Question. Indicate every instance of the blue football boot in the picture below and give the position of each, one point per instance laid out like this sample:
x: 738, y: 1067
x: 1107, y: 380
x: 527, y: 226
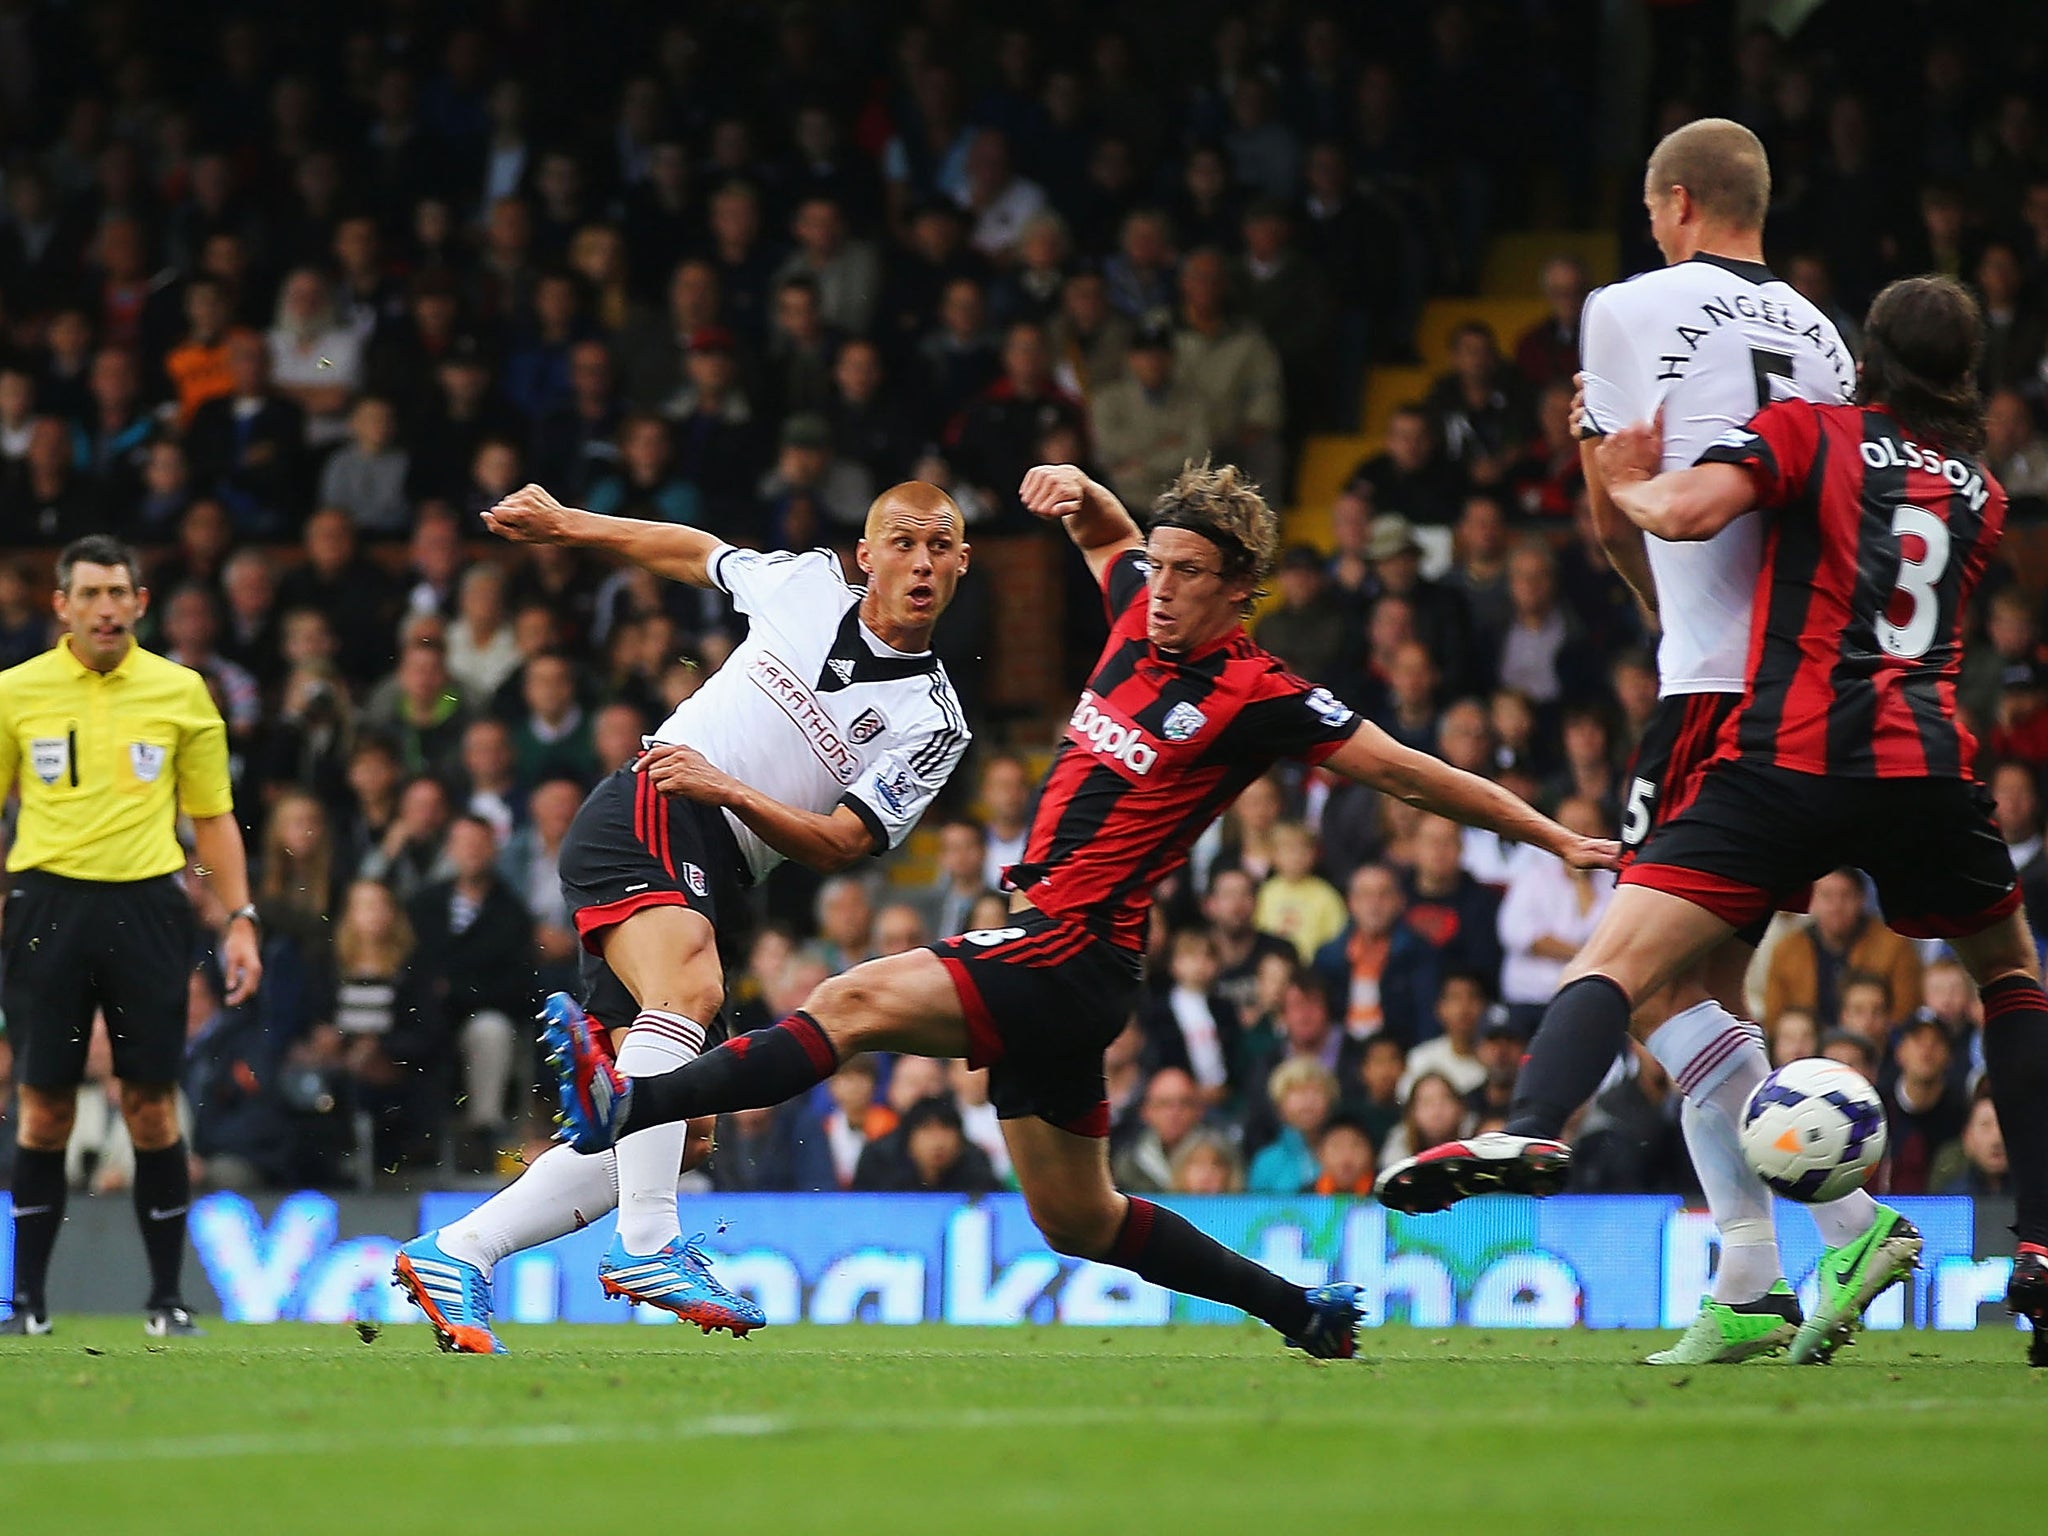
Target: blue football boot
x: 455, y: 1295
x: 678, y: 1279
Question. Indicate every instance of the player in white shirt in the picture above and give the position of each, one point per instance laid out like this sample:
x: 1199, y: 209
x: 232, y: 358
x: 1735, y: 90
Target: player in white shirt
x: 1709, y: 340
x: 823, y: 738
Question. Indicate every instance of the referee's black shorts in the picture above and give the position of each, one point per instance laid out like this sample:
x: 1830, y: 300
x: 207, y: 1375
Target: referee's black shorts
x: 73, y: 947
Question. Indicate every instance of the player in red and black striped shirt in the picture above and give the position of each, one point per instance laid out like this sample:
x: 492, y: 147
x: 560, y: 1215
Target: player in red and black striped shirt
x: 1182, y: 712
x: 1846, y: 749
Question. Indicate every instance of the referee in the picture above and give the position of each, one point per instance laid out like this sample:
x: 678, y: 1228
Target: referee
x: 107, y: 743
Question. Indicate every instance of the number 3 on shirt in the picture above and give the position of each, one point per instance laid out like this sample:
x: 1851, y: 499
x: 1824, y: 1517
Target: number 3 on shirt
x: 1910, y: 639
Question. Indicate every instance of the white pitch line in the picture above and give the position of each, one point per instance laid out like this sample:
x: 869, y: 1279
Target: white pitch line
x: 761, y: 1426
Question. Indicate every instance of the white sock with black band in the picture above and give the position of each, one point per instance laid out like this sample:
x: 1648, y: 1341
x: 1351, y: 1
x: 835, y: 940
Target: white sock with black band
x: 651, y: 1161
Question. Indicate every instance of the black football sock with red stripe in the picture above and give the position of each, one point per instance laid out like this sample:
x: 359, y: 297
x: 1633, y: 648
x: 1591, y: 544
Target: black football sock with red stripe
x: 751, y: 1071
x: 2016, y: 1066
x: 1583, y: 1030
x: 1167, y: 1249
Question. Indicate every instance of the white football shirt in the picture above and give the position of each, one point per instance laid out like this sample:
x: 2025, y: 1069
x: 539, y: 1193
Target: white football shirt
x: 814, y: 710
x: 1713, y: 341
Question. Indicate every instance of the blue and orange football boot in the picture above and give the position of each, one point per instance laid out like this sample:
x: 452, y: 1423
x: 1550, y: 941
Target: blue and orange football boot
x: 678, y: 1279
x: 455, y: 1295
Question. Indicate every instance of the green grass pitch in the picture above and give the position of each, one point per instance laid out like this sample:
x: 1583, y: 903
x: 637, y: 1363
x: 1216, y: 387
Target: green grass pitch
x: 301, y: 1429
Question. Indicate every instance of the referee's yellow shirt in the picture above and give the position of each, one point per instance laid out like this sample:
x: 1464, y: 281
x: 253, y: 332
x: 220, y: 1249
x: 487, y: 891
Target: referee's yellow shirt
x: 105, y: 761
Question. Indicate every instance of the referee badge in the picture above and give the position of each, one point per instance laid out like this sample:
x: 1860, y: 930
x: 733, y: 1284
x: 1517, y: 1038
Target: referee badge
x: 147, y: 759
x: 48, y: 756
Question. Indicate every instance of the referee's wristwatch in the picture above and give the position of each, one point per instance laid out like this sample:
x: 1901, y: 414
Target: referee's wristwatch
x: 248, y: 911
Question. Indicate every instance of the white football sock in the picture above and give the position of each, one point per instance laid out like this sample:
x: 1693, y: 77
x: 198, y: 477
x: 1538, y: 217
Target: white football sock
x: 560, y: 1191
x: 1717, y: 1060
x: 651, y: 1161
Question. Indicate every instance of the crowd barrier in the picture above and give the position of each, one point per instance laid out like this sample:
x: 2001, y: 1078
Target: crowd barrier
x: 1599, y: 1261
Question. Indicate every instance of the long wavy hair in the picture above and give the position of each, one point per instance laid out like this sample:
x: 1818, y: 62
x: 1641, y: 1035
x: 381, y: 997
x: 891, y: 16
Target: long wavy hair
x: 1923, y: 340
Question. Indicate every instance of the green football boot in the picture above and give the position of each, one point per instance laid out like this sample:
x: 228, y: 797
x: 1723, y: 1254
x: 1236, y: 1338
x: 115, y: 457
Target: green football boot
x: 1728, y: 1333
x: 1851, y: 1277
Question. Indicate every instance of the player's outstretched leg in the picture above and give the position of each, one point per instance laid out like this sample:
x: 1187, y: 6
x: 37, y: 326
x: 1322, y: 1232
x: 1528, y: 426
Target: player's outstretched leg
x: 1064, y: 1177
x: 1583, y: 1030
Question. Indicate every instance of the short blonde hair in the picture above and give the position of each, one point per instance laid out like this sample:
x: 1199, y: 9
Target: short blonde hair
x: 1222, y: 504
x: 1722, y: 164
x: 1300, y: 1072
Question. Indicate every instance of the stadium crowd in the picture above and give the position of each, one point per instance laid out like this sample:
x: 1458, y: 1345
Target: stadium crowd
x: 290, y: 305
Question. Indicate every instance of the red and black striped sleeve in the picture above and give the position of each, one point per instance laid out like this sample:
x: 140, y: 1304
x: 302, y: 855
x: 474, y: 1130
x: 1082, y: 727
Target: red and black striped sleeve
x: 1123, y: 582
x: 1289, y: 717
x: 1778, y: 448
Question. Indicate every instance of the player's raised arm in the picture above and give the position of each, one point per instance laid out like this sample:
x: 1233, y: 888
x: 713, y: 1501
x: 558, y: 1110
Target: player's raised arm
x: 1683, y: 505
x: 1374, y: 758
x: 530, y: 515
x: 1095, y: 520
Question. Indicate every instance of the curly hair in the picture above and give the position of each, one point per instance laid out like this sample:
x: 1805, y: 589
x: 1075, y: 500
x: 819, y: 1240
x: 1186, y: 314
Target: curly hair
x: 1923, y: 340
x: 1222, y: 504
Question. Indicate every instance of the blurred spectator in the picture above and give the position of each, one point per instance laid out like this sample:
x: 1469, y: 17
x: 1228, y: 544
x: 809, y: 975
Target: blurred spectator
x: 898, y: 929
x: 477, y: 961
x: 1867, y: 1012
x: 45, y: 500
x: 1461, y: 1006
x: 927, y: 1153
x: 1549, y: 912
x: 1432, y: 1114
x: 552, y: 736
x: 250, y: 636
x: 1287, y: 296
x: 778, y: 1150
x: 1232, y: 367
x: 949, y: 899
x: 1139, y: 274
x: 247, y: 445
x: 1207, y: 1164
x: 426, y: 714
x: 1852, y: 1050
x: 1976, y: 1164
x: 1090, y: 339
x: 191, y: 638
x: 316, y: 359
x: 1631, y: 1138
x: 576, y: 443
x: 644, y: 484
x: 481, y: 651
x: 978, y: 1117
x: 1439, y: 612
x: 1148, y: 424
x: 1503, y: 1042
x: 995, y: 439
x: 1344, y: 1160
x: 2018, y: 799
x: 1309, y: 628
x: 1925, y: 1110
x: 1548, y: 352
x: 1949, y: 997
x: 1304, y: 1095
x: 845, y: 919
x: 1807, y: 966
x: 367, y: 477
x: 1005, y: 813
x: 531, y: 862
x: 2013, y: 450
x: 1189, y: 1025
x: 1373, y: 1099
x: 871, y: 425
x: 347, y: 589
x: 1408, y: 475
x: 811, y: 495
x: 1294, y: 902
x: 1480, y: 409
x: 1229, y: 908
x: 489, y: 790
x: 410, y: 854
x: 1545, y: 475
x: 1454, y: 914
x: 1380, y: 969
x: 1171, y: 1113
x: 1000, y: 202
x: 1792, y: 1036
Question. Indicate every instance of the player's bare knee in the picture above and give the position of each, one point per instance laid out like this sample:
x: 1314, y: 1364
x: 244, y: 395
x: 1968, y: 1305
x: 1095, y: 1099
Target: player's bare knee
x: 1078, y: 1229
x: 46, y: 1120
x: 851, y: 1008
x: 150, y: 1111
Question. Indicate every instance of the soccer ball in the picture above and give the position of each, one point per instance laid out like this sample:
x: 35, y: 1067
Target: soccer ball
x: 1813, y: 1130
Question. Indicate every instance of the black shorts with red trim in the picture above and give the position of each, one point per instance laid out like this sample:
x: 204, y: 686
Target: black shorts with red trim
x: 1755, y: 834
x: 630, y: 848
x: 1043, y: 997
x: 1669, y: 763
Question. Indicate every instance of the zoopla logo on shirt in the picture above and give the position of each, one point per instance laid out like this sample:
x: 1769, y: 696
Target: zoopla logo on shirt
x: 1106, y: 735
